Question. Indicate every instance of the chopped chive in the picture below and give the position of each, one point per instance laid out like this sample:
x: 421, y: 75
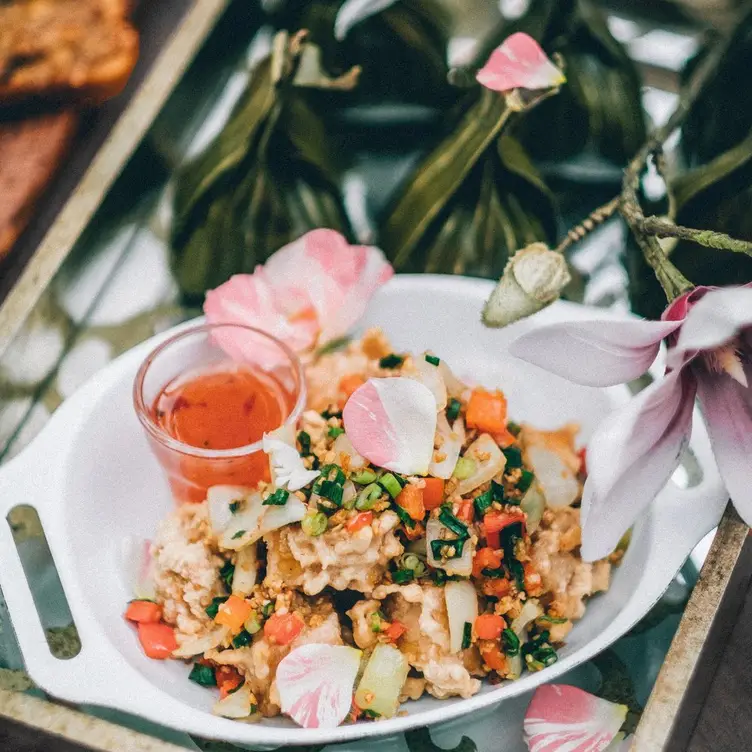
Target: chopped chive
x: 203, y: 675
x: 509, y: 537
x: 234, y: 506
x: 414, y: 563
x: 368, y: 496
x: 226, y: 573
x: 277, y: 499
x: 453, y: 409
x: 433, y: 360
x: 333, y: 473
x: 335, y: 431
x: 401, y: 576
x: 368, y: 713
x: 514, y: 456
x: 213, y: 607
x: 483, y: 502
x: 331, y: 490
x: 405, y: 518
x: 511, y: 642
x: 391, y: 484
x: 364, y: 477
x: 267, y: 610
x: 525, y: 481
x: 391, y: 361
x: 375, y: 621
x: 514, y: 428
x: 439, y: 548
x: 314, y: 524
x: 464, y: 468
x: 239, y: 534
x: 252, y: 623
x: 447, y: 519
x: 467, y: 635
x: 242, y: 640
x: 439, y: 577
x: 547, y: 656
x: 517, y: 571
x: 551, y: 619
x: 304, y: 439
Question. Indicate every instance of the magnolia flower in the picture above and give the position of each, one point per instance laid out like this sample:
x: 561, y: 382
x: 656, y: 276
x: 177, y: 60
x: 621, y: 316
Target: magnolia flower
x: 633, y: 453
x: 308, y: 293
x: 533, y: 278
x: 561, y: 717
x: 519, y: 63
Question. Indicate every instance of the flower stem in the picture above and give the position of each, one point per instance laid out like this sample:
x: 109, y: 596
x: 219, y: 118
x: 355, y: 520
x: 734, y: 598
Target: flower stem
x: 595, y: 218
x: 662, y: 228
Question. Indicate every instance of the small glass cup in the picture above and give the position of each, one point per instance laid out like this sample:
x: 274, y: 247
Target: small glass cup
x: 191, y: 470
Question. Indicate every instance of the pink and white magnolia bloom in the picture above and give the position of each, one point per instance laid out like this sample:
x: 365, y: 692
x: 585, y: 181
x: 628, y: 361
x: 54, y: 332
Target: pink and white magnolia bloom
x: 634, y: 452
x: 308, y: 293
x: 519, y: 63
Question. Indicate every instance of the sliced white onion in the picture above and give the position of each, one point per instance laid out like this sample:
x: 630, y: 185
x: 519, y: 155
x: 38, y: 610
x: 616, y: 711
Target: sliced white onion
x: 246, y: 570
x: 455, y: 388
x: 449, y: 441
x: 530, y: 612
x: 462, y: 606
x: 286, y: 465
x: 219, y: 499
x: 558, y: 483
x: 430, y: 376
x: 138, y: 563
x: 489, y: 462
x: 349, y: 492
x: 462, y: 565
x: 533, y: 504
x: 343, y: 447
x: 236, y: 705
x: 245, y: 525
x: 382, y: 681
x: 293, y: 510
x: 199, y: 644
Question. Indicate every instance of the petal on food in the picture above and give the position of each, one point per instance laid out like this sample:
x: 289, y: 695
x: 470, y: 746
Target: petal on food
x: 519, y: 63
x: 563, y: 717
x: 287, y: 467
x: 392, y: 423
x: 315, y: 684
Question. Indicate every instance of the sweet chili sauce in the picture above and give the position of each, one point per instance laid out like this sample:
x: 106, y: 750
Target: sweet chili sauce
x: 219, y: 409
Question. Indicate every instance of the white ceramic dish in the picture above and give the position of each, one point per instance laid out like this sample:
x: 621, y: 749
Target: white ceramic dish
x: 94, y: 482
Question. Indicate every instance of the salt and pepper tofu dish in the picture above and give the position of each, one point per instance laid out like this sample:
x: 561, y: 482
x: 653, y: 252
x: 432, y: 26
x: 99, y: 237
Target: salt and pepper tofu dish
x: 372, y: 566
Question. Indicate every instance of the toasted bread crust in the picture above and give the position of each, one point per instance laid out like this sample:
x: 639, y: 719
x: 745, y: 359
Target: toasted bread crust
x: 82, y: 50
x: 31, y: 151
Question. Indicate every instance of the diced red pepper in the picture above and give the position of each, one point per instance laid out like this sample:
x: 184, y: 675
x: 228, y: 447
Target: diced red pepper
x: 583, y: 460
x: 466, y: 511
x: 486, y: 558
x: 283, y: 628
x: 495, y: 522
x: 228, y: 678
x: 498, y: 587
x: 395, y: 630
x: 157, y: 639
x: 489, y: 626
x: 411, y: 500
x: 533, y: 580
x: 487, y: 411
x: 143, y: 612
x: 433, y: 493
x: 361, y: 520
x: 493, y: 657
x: 233, y: 613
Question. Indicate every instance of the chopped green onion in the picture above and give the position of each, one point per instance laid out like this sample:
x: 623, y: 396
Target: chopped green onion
x: 483, y: 502
x: 433, y: 360
x: 525, y: 481
x: 439, y: 577
x: 453, y: 409
x: 467, y: 635
x: 304, y: 439
x: 314, y: 524
x: 333, y: 473
x: 493, y: 573
x: 203, y: 675
x: 368, y: 497
x: 464, y: 468
x: 509, y: 537
x: 517, y: 571
x: 331, y: 414
x: 332, y: 491
x: 439, y: 548
x: 552, y: 619
x: 511, y: 642
x: 405, y: 518
x: 391, y: 484
x: 364, y: 477
x: 514, y: 456
x: 267, y: 609
x: 234, y: 506
x: 213, y: 607
x: 226, y: 573
x: 391, y: 361
x: 414, y: 563
x: 497, y: 491
x: 253, y: 709
x: 447, y: 519
x: 514, y: 428
x: 252, y: 623
x: 242, y: 640
x: 333, y: 345
x: 376, y: 618
x: 277, y: 499
x: 401, y: 576
x: 546, y: 656
x: 368, y: 713
x: 239, y: 534
x: 335, y: 431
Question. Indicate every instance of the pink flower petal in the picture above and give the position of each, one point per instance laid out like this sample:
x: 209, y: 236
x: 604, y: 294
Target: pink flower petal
x: 561, y: 717
x: 519, y: 63
x: 631, y: 457
x: 727, y: 408
x: 315, y: 684
x: 601, y: 352
x: 712, y: 321
x: 392, y: 423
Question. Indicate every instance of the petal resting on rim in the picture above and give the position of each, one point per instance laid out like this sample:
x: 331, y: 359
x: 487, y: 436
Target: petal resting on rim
x: 519, y: 63
x: 727, y: 408
x: 631, y: 457
x: 601, y: 352
x: 561, y: 717
x: 392, y: 423
x: 315, y: 684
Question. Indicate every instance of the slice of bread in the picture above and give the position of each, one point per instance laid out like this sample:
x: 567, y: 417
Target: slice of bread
x: 80, y: 50
x: 31, y: 151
